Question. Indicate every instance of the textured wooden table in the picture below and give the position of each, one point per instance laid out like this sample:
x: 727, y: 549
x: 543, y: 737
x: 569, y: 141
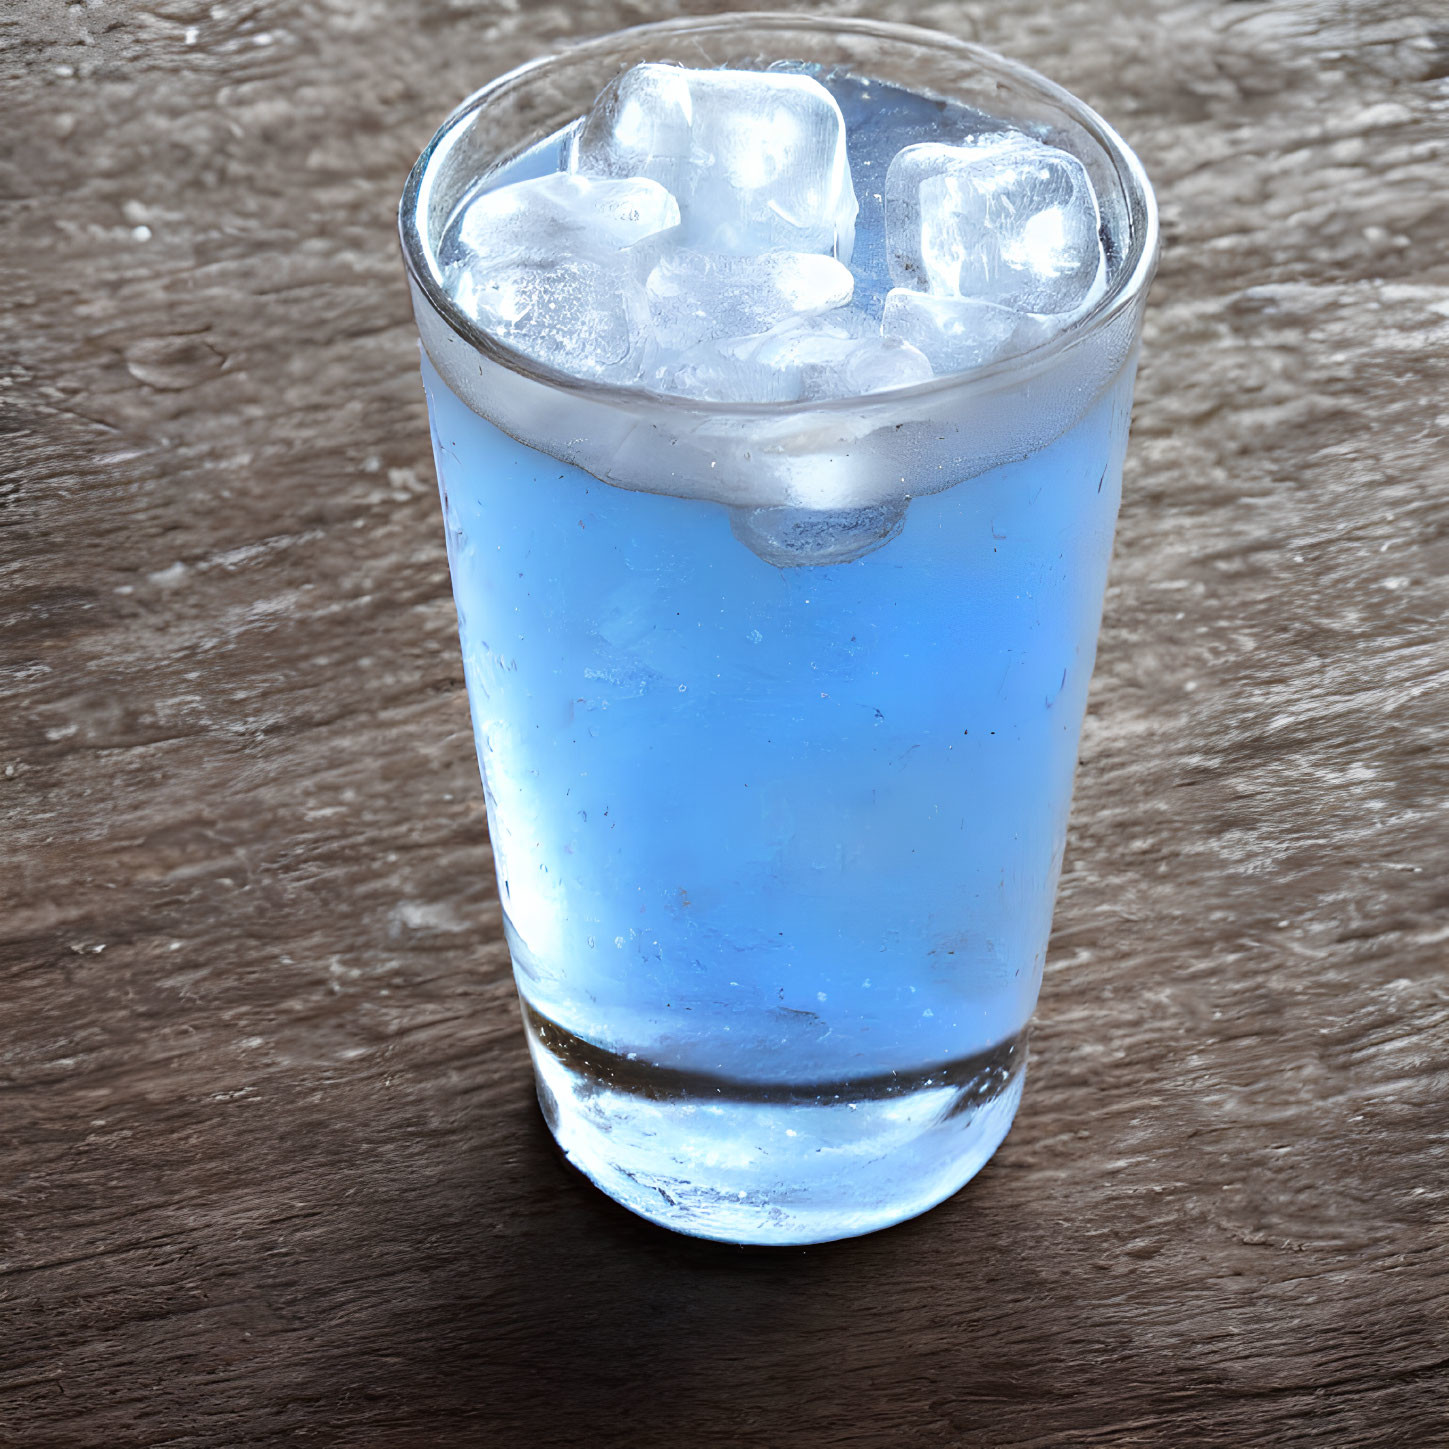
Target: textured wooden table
x: 270, y: 1168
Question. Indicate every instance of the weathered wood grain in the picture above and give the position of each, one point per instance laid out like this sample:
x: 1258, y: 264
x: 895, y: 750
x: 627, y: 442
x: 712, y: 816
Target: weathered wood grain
x: 270, y: 1171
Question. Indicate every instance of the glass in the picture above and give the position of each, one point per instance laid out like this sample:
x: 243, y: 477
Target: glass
x: 777, y: 783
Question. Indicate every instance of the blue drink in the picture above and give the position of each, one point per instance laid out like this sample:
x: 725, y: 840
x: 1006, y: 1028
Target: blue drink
x: 777, y: 841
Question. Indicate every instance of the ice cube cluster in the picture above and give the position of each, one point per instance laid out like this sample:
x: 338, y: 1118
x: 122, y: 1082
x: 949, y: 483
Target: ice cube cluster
x: 699, y: 244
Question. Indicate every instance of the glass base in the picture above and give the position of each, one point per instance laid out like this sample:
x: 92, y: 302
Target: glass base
x: 767, y: 1163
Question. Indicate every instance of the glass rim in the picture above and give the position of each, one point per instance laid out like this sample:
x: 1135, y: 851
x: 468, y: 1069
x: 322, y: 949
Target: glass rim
x: 1133, y: 280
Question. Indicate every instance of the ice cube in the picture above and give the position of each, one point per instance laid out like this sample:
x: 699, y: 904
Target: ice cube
x: 824, y: 360
x: 584, y: 315
x: 559, y: 213
x: 881, y: 121
x: 698, y: 296
x: 1005, y: 219
x: 722, y: 369
x: 957, y: 333
x: 550, y: 266
x: 756, y: 159
x: 801, y: 537
x: 798, y: 360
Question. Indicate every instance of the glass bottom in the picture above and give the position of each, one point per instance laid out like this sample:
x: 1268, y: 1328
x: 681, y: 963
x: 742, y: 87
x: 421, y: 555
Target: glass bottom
x: 772, y: 1163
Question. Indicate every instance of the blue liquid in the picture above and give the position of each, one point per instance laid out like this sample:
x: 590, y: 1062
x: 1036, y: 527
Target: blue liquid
x: 770, y: 832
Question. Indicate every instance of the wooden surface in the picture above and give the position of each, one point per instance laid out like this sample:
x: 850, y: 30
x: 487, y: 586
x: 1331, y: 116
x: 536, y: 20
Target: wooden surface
x: 270, y: 1168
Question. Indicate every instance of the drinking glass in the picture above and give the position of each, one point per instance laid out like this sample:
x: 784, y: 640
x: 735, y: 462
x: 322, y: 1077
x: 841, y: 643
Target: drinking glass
x: 777, y: 705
